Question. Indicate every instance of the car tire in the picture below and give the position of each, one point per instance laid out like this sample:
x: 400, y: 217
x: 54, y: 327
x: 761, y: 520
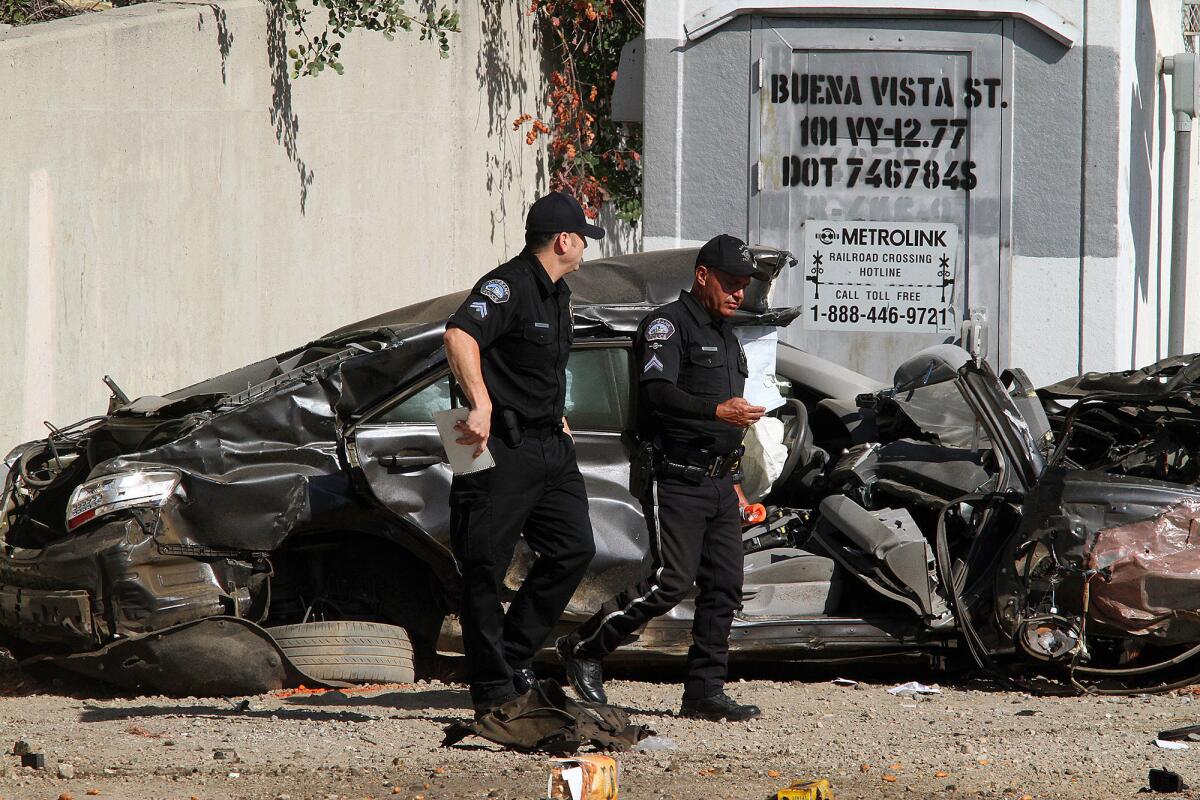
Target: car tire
x: 354, y: 652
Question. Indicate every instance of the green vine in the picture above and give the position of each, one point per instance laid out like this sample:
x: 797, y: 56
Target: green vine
x: 27, y: 12
x: 595, y: 159
x: 316, y: 52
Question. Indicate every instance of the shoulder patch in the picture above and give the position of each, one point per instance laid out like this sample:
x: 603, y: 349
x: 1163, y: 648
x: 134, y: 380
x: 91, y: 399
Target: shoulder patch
x: 496, y: 290
x: 660, y: 330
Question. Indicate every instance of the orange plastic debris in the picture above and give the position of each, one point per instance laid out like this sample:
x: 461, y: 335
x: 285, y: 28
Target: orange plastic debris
x: 864, y: 768
x: 983, y: 762
x: 941, y: 773
x: 896, y: 767
x: 1026, y: 797
x: 65, y: 796
x: 890, y: 778
x: 93, y: 792
x: 772, y: 773
x: 754, y: 513
x: 395, y: 790
x: 138, y: 730
x: 439, y: 770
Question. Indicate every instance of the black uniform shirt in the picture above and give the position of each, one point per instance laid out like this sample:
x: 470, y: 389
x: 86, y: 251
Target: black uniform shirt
x: 682, y: 344
x: 522, y: 322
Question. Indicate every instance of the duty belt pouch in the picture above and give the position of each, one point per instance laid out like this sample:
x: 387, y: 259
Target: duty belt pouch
x: 641, y: 470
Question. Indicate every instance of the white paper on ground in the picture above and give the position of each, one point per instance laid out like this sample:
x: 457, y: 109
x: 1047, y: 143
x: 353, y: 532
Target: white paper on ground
x: 1168, y: 745
x: 461, y: 456
x: 911, y: 688
x: 760, y: 343
x: 844, y: 682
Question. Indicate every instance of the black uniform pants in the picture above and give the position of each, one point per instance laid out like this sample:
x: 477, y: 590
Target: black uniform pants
x: 536, y: 489
x: 695, y: 539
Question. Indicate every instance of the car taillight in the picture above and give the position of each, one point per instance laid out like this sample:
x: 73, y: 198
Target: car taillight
x: 101, y: 496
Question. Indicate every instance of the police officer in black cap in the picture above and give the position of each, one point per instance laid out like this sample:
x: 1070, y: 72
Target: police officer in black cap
x: 691, y: 421
x: 508, y: 345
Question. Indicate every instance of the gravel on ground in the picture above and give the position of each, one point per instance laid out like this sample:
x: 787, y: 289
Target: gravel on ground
x: 972, y: 740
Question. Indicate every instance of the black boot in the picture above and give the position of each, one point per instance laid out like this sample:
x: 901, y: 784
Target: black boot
x: 524, y: 679
x: 584, y: 674
x: 718, y: 707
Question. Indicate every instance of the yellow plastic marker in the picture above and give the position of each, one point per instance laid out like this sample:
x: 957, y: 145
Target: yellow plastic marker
x: 806, y: 790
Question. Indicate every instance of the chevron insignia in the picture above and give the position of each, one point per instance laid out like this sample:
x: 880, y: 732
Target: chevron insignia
x: 480, y: 308
x: 653, y: 363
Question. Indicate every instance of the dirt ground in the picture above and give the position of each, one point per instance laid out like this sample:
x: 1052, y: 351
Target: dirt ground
x: 970, y: 741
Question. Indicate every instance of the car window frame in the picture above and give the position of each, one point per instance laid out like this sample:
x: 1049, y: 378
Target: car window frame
x: 626, y: 345
x: 371, y: 419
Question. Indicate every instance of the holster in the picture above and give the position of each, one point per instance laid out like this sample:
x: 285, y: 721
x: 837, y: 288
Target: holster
x: 509, y: 429
x: 641, y: 470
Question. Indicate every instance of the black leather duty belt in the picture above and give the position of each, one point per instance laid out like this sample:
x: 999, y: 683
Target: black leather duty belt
x: 697, y: 465
x: 542, y: 431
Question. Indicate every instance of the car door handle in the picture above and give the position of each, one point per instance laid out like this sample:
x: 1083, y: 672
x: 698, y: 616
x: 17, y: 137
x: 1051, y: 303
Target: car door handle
x: 408, y: 463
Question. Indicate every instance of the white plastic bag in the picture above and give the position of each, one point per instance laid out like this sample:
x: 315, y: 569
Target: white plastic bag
x: 764, y: 458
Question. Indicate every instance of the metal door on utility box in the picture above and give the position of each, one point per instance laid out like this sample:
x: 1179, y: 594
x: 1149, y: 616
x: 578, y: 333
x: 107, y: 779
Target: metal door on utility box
x: 878, y: 157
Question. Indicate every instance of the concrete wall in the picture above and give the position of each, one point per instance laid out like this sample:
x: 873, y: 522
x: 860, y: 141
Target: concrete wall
x: 1092, y: 204
x: 1092, y: 150
x: 172, y: 205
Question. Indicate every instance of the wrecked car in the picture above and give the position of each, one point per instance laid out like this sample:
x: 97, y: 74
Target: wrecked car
x: 287, y: 522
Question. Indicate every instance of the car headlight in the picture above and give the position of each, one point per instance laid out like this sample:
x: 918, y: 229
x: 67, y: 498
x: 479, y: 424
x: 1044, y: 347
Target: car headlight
x: 101, y: 496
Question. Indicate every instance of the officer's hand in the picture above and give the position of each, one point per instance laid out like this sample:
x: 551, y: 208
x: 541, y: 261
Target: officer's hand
x: 738, y: 411
x: 475, y: 429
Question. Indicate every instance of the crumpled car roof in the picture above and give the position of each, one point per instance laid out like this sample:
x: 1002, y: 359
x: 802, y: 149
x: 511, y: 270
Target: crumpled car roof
x: 628, y: 286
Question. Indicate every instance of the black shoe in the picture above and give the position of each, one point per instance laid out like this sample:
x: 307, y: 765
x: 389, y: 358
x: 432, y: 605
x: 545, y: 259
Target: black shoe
x: 584, y: 674
x: 718, y: 707
x: 524, y: 679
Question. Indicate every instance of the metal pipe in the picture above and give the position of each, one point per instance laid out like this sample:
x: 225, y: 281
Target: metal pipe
x: 1180, y: 195
x: 1185, y: 102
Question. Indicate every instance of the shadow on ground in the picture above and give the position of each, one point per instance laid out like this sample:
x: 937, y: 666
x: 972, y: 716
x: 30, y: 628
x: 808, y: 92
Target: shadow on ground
x: 439, y: 699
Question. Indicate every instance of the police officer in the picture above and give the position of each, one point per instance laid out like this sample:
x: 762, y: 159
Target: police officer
x: 691, y: 421
x: 507, y: 345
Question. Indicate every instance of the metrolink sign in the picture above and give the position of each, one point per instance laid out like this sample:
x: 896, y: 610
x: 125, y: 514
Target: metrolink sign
x: 897, y: 277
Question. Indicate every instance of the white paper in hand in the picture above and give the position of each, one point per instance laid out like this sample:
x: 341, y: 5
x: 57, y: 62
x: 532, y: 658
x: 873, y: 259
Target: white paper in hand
x: 461, y: 456
x: 760, y: 343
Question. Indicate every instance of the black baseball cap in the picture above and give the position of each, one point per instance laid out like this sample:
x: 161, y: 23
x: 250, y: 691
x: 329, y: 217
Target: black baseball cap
x: 560, y: 213
x: 729, y: 254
